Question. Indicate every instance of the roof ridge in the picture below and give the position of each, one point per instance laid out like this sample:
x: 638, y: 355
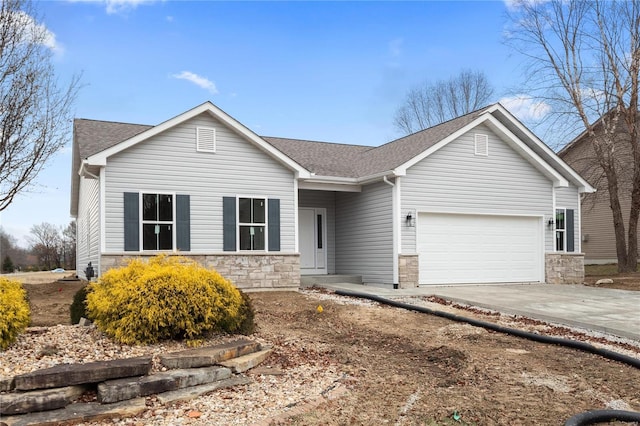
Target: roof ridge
x: 113, y: 122
x: 312, y: 141
x: 440, y: 124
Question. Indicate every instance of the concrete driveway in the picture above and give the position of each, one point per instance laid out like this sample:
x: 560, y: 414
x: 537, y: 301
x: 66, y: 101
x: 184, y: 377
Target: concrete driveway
x: 615, y: 312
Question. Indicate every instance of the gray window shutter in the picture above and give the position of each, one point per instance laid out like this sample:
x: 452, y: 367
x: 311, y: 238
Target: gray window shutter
x: 131, y: 221
x: 229, y: 223
x: 570, y: 231
x: 274, y: 225
x: 183, y: 223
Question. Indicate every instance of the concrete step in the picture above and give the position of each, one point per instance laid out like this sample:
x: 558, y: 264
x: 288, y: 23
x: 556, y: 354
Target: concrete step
x: 311, y: 280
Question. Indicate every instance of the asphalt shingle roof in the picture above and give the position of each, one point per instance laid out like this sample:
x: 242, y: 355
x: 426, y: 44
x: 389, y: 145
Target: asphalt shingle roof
x: 321, y: 158
x: 94, y: 136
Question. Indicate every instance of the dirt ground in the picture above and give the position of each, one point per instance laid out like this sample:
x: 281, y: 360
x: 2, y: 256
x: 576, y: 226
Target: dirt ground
x: 406, y: 368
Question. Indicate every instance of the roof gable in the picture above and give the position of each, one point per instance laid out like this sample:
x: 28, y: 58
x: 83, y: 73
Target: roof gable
x: 100, y: 158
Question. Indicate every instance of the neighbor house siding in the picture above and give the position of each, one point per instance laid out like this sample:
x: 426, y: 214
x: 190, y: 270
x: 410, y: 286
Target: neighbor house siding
x: 568, y: 198
x: 455, y: 180
x: 599, y: 242
x: 88, y: 226
x: 364, y: 233
x: 169, y: 162
x: 327, y: 200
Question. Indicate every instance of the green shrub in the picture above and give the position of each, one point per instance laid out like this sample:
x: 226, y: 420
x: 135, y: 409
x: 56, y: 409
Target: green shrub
x: 14, y: 311
x: 78, y: 308
x: 247, y: 314
x: 166, y: 298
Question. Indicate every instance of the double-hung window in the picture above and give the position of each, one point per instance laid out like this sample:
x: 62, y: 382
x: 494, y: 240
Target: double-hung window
x: 157, y: 221
x: 252, y: 223
x: 561, y: 230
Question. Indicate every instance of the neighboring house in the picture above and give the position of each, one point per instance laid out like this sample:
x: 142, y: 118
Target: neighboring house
x: 598, y: 238
x: 477, y: 199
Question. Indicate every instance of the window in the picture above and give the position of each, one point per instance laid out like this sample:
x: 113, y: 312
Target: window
x: 252, y: 223
x: 157, y: 222
x: 561, y: 230
x: 164, y: 218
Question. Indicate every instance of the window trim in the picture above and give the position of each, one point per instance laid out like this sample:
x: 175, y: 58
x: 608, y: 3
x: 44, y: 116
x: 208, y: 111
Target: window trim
x: 265, y: 225
x: 563, y: 230
x: 142, y: 222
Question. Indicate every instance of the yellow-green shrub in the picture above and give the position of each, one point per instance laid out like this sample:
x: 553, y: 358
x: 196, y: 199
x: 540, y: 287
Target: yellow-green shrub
x: 14, y: 311
x: 166, y: 298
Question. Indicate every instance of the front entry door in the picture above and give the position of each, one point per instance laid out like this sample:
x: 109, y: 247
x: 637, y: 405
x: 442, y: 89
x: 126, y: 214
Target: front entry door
x: 313, y: 240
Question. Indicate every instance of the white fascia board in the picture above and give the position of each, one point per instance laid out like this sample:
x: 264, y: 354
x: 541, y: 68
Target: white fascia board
x: 329, y: 186
x: 523, y: 148
x: 377, y: 176
x: 583, y: 185
x: 100, y: 159
x: 401, y: 170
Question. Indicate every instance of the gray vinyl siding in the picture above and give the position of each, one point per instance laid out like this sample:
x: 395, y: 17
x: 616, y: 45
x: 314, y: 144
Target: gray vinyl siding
x: 169, y: 162
x: 569, y: 198
x: 364, y: 233
x: 455, y: 180
x: 88, y: 226
x: 326, y: 200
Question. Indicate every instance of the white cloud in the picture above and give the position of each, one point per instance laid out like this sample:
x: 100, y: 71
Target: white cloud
x: 515, y: 4
x: 526, y: 108
x: 203, y: 82
x: 38, y: 33
x: 117, y: 6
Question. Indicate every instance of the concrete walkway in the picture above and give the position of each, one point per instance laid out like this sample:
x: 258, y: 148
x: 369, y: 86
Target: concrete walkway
x: 615, y: 312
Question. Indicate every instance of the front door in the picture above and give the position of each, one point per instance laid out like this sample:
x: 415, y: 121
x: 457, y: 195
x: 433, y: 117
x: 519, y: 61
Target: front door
x: 313, y: 240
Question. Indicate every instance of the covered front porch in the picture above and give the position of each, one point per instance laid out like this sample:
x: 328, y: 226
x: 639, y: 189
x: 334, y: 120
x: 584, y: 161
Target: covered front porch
x: 347, y: 234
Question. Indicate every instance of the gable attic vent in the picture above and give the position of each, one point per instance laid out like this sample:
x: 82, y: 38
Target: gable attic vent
x: 205, y: 139
x: 482, y: 144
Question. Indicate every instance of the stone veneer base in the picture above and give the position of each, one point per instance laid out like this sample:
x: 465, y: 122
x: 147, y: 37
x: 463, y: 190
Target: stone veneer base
x: 246, y: 271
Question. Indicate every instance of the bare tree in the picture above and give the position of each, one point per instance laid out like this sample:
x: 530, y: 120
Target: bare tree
x: 9, y: 247
x: 433, y: 103
x: 34, y: 110
x: 69, y: 245
x: 583, y: 59
x: 46, y: 243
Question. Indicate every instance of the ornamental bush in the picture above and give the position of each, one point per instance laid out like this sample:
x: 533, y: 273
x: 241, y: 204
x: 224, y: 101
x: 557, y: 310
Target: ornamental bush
x: 15, y: 314
x: 168, y: 297
x: 78, y: 308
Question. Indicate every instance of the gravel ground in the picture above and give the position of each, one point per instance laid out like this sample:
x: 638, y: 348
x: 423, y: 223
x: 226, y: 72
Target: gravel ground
x: 303, y: 375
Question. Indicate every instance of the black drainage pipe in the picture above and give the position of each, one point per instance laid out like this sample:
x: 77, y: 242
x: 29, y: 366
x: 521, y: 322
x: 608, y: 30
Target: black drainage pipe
x: 586, y: 418
x: 599, y: 416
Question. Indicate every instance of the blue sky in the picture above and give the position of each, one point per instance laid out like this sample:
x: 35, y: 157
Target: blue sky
x: 331, y: 71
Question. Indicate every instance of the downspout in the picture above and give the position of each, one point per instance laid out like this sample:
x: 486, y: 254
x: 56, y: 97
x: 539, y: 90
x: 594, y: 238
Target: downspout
x: 395, y: 217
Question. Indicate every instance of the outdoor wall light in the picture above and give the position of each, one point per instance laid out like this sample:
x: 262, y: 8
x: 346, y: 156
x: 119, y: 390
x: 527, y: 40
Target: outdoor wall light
x: 409, y: 219
x: 550, y: 223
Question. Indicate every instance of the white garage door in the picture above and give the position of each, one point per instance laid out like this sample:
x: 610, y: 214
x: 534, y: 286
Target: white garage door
x: 457, y: 248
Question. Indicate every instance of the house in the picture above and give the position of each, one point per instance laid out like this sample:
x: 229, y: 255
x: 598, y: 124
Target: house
x: 598, y: 237
x: 477, y: 199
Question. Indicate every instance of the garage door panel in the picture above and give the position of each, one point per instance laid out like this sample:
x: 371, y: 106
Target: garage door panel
x: 479, y: 248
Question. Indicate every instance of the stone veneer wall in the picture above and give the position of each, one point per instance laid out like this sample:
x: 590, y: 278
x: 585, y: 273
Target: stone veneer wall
x: 246, y: 271
x: 408, y: 272
x: 564, y: 268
